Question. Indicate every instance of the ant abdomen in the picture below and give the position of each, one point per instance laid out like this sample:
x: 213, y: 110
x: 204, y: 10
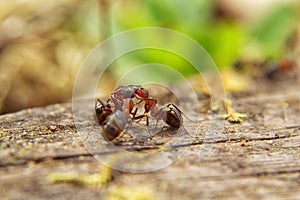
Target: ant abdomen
x: 115, y: 124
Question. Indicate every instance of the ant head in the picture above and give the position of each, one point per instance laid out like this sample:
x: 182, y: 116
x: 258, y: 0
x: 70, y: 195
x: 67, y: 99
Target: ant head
x: 103, y: 110
x: 142, y: 92
x: 99, y: 105
x: 173, y: 118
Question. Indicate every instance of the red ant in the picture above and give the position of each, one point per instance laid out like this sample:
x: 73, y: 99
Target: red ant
x: 128, y: 92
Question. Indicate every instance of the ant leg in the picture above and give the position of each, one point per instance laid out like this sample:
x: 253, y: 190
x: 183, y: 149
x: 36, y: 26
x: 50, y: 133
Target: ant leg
x: 140, y: 117
x: 147, y: 124
x: 139, y: 101
x: 147, y: 120
x: 156, y: 124
x: 134, y: 112
x: 149, y: 104
x: 159, y: 115
x: 98, y: 106
x: 99, y: 101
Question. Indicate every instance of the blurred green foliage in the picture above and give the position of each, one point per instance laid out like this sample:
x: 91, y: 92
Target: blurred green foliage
x: 224, y: 38
x: 43, y: 43
x: 271, y: 33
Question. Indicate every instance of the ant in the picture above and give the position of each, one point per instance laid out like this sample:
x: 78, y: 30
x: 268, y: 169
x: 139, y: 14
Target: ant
x: 128, y: 92
x: 116, y: 115
x: 103, y: 110
x: 113, y: 123
x: 169, y: 113
x: 113, y: 120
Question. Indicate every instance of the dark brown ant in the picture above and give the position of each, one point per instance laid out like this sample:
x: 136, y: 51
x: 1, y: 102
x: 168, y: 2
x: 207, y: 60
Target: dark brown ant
x: 113, y: 123
x: 169, y: 113
x: 103, y: 110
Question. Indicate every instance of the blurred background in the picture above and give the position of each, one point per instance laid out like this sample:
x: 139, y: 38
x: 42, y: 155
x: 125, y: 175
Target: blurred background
x: 43, y: 43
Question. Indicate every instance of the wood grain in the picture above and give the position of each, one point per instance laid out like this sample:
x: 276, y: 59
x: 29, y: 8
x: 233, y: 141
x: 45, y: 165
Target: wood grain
x: 257, y: 159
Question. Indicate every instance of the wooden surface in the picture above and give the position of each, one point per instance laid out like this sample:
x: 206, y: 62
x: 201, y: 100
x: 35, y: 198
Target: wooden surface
x: 42, y: 156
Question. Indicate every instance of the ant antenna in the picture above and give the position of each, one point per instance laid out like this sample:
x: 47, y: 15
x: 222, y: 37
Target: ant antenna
x: 171, y: 104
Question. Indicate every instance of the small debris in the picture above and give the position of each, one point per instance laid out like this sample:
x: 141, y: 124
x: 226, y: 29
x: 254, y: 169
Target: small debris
x: 23, y: 134
x: 270, y: 142
x: 53, y: 128
x: 243, y: 143
x: 235, y: 117
x: 4, y: 145
x: 230, y: 130
x: 231, y: 116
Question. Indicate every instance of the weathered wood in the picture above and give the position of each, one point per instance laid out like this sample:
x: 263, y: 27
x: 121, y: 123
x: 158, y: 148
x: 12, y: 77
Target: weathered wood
x: 257, y: 159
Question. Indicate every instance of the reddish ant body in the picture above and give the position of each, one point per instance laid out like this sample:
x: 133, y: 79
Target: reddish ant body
x: 115, y: 116
x: 128, y: 92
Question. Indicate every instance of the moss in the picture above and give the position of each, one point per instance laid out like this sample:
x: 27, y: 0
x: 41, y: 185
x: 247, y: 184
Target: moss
x: 90, y: 180
x: 3, y: 145
x: 23, y: 134
x: 234, y: 117
x: 130, y: 193
x: 230, y: 115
